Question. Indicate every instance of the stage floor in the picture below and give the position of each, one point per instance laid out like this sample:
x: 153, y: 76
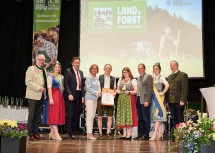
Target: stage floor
x: 82, y: 145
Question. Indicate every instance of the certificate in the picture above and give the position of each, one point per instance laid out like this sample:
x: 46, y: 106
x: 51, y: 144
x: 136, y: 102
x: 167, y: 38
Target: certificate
x: 107, y: 97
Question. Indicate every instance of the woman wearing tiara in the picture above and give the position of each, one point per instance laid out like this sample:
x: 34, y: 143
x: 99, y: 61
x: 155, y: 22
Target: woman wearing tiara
x: 126, y: 106
x: 158, y: 110
x: 54, y: 108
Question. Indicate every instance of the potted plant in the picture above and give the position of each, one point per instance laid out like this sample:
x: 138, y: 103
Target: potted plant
x: 196, y: 136
x: 13, y: 137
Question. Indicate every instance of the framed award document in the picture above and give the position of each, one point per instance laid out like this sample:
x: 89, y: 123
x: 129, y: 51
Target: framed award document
x: 107, y: 97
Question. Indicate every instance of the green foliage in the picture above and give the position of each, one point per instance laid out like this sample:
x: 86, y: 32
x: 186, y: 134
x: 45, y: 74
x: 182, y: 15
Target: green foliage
x: 190, y: 135
x: 12, y: 129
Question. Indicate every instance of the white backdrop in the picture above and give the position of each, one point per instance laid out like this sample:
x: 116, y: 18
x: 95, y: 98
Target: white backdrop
x: 209, y: 95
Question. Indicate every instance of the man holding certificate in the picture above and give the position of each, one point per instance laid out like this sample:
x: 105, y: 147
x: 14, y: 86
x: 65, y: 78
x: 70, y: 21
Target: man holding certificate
x: 106, y: 102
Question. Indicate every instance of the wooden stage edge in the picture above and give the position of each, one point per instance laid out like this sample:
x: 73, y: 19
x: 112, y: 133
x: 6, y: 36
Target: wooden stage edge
x: 82, y: 145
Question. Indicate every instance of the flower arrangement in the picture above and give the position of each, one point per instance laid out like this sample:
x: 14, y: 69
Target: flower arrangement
x: 12, y: 129
x: 191, y: 134
x: 191, y: 114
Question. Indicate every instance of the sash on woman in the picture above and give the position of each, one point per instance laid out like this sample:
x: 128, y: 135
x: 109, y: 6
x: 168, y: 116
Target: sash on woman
x: 158, y: 109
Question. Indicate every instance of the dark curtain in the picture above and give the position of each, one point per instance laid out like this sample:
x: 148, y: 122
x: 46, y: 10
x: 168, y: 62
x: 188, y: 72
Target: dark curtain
x: 16, y: 44
x: 208, y: 53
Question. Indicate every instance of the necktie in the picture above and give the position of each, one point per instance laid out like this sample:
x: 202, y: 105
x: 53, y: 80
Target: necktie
x: 79, y: 80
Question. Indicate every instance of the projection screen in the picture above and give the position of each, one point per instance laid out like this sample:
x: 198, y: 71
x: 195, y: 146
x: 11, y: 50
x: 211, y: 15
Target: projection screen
x: 128, y: 32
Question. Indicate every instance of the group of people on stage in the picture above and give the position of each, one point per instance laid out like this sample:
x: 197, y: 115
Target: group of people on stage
x: 140, y: 101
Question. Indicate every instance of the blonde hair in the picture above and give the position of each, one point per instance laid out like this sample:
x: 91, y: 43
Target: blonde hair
x: 57, y: 63
x: 93, y: 66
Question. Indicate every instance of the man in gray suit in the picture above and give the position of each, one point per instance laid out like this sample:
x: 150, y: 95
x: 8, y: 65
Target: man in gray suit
x: 144, y: 98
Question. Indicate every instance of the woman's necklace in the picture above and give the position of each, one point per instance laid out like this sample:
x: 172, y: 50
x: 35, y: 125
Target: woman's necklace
x: 125, y: 81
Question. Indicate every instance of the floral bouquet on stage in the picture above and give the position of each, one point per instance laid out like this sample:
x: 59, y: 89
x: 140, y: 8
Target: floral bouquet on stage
x: 11, y: 129
x: 191, y: 134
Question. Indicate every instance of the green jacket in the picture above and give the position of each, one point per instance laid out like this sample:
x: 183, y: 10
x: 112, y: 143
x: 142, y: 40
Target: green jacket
x: 178, y: 89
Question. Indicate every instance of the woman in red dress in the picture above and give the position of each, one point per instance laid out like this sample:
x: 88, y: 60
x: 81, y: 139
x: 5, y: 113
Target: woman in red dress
x: 54, y: 108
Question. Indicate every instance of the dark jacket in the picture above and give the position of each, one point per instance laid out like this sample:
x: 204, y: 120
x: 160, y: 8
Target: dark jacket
x: 102, y: 81
x: 178, y: 89
x: 70, y: 82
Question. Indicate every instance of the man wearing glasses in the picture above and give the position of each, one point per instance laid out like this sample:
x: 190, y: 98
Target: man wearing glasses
x: 35, y: 80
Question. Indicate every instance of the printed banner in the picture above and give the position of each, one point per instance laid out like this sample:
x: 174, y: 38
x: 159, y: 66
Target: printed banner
x: 46, y: 27
x: 117, y: 16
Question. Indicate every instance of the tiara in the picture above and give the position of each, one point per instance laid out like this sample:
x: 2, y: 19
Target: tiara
x: 58, y: 62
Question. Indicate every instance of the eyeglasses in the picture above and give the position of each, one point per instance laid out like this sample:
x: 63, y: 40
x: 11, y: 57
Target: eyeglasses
x: 41, y: 60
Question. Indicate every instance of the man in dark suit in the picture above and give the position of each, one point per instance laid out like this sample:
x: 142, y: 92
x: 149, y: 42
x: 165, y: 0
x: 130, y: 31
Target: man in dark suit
x: 144, y: 98
x: 74, y: 95
x: 177, y: 94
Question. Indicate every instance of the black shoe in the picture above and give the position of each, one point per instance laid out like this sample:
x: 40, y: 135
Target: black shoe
x: 128, y: 138
x: 137, y: 138
x: 80, y: 131
x: 72, y: 136
x: 144, y: 138
x: 77, y: 131
x: 122, y: 138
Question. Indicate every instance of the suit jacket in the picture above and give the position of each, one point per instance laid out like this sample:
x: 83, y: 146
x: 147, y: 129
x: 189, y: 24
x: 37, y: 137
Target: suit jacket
x: 34, y: 81
x: 178, y: 89
x: 145, y: 88
x: 92, y: 87
x: 70, y: 82
x: 102, y: 81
